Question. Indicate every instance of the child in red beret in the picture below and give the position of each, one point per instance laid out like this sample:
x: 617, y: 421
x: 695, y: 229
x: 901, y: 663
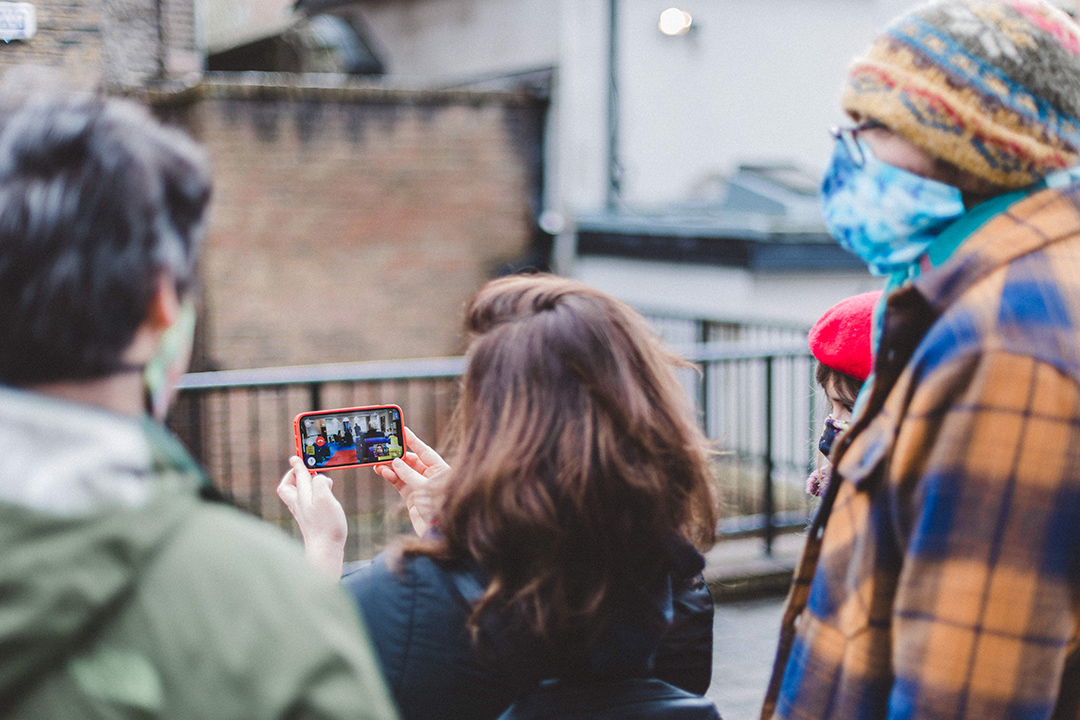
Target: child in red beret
x: 840, y: 340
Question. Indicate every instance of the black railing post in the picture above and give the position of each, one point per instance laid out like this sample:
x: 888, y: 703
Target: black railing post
x: 255, y: 450
x: 768, y: 498
x: 316, y: 396
x: 195, y: 402
x: 703, y: 389
x: 226, y: 444
x: 285, y: 437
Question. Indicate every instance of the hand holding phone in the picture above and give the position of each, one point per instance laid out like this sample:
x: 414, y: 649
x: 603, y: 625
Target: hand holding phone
x: 420, y: 479
x: 318, y: 513
x: 350, y: 437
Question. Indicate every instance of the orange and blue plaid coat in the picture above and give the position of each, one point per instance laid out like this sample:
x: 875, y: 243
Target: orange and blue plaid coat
x: 941, y: 577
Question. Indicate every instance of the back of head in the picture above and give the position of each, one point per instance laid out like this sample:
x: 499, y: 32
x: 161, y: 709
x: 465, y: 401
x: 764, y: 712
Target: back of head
x: 97, y: 202
x: 989, y: 86
x: 577, y: 462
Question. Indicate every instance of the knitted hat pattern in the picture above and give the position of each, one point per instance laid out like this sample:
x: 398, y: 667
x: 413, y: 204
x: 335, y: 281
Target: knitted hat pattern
x: 991, y: 86
x: 840, y: 339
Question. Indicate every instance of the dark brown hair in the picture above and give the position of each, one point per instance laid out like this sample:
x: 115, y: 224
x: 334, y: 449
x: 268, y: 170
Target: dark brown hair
x: 577, y: 463
x: 98, y: 202
x: 845, y: 386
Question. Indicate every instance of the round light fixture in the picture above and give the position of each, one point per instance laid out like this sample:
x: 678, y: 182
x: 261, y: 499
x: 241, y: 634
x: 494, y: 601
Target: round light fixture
x: 674, y: 21
x: 551, y: 222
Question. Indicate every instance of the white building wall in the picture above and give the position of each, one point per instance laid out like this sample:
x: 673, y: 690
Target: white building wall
x: 577, y: 171
x: 433, y: 39
x: 756, y: 80
x: 722, y: 294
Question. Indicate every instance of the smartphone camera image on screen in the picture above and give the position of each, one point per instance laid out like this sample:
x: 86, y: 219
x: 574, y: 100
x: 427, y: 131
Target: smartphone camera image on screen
x: 350, y: 437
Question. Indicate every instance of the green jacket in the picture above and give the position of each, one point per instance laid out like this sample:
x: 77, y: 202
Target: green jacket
x: 123, y: 595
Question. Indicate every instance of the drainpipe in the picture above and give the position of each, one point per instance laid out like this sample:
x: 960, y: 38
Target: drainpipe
x: 614, y: 171
x: 159, y: 10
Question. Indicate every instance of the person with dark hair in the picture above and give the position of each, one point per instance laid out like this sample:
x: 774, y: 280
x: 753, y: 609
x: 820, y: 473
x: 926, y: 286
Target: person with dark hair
x: 560, y: 541
x: 840, y: 342
x: 371, y: 435
x: 126, y: 591
x: 941, y: 575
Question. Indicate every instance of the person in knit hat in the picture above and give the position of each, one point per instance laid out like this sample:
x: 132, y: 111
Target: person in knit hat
x: 840, y: 341
x: 960, y: 109
x: 941, y: 575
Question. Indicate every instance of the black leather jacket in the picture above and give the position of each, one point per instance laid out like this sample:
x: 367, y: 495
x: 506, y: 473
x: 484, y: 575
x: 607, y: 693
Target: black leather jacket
x: 416, y: 618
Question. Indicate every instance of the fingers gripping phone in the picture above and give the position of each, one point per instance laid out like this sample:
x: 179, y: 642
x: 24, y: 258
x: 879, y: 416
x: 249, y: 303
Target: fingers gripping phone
x: 350, y: 437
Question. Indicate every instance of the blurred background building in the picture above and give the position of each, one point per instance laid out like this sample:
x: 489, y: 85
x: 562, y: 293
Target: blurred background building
x: 377, y: 160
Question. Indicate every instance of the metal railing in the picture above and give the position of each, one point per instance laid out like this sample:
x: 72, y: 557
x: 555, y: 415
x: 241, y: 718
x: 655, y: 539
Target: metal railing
x: 758, y: 403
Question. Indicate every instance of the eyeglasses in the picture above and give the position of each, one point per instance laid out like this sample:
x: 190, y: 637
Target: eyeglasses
x: 848, y: 137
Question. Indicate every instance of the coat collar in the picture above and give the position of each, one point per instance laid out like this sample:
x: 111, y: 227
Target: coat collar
x: 67, y: 458
x: 1033, y: 223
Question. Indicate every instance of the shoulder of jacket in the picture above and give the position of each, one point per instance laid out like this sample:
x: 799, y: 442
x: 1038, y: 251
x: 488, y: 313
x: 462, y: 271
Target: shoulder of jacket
x: 224, y: 555
x: 267, y: 628
x: 390, y: 576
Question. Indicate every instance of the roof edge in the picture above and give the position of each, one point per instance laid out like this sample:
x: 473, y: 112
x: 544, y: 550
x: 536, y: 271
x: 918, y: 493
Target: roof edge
x: 324, y: 87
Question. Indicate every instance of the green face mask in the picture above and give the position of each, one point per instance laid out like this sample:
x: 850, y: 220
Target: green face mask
x: 170, y: 361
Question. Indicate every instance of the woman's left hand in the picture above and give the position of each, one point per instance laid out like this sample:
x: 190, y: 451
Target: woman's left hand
x: 420, y: 479
x: 318, y: 513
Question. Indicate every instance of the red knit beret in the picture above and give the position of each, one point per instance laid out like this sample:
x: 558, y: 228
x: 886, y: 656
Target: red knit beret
x: 840, y: 339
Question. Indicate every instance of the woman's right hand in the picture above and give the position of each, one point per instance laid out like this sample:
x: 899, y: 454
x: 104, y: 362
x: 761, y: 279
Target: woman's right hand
x: 318, y: 513
x: 420, y: 478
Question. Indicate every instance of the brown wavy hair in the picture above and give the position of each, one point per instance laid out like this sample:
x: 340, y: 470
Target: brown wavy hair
x: 577, y: 462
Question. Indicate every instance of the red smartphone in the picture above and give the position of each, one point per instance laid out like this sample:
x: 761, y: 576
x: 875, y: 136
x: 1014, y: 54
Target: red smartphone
x: 350, y: 437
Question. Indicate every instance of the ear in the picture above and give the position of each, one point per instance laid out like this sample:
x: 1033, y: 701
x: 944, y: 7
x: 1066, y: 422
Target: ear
x: 164, y: 305
x: 161, y: 312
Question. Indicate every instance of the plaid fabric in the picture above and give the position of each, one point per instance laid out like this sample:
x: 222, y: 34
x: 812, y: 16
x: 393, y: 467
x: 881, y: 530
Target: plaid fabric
x: 941, y: 577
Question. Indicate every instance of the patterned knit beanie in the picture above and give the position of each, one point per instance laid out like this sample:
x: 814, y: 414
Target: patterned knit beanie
x: 991, y: 86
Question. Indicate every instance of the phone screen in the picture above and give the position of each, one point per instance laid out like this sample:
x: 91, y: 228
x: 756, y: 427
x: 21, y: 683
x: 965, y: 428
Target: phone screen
x: 350, y: 437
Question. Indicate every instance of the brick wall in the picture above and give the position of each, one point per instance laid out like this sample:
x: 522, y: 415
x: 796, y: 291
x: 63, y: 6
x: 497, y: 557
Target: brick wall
x: 115, y: 43
x: 354, y: 224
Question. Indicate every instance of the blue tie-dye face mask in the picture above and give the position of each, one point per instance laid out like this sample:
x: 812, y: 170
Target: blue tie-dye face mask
x: 885, y: 215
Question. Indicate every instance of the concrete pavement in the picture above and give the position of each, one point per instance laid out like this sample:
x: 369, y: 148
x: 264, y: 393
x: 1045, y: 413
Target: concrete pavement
x: 744, y: 644
x: 738, y: 569
x: 749, y: 589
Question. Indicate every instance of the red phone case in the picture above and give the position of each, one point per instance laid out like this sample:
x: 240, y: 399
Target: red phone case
x: 338, y: 442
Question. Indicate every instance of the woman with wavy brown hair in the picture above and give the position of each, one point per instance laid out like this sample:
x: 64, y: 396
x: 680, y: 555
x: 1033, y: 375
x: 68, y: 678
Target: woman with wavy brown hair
x: 559, y: 542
